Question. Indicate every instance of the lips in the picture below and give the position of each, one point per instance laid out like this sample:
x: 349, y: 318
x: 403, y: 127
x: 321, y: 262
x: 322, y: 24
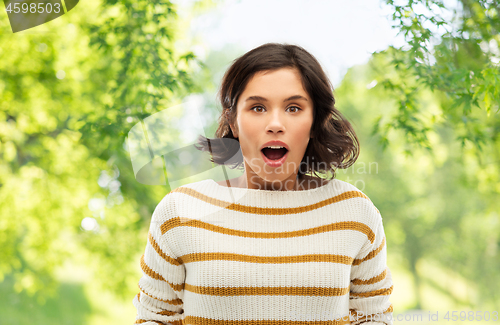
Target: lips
x: 275, y: 143
x: 274, y: 155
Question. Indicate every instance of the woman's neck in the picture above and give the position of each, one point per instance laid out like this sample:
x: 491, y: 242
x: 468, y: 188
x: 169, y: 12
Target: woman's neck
x: 302, y: 182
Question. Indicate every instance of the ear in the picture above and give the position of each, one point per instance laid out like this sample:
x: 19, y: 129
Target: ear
x: 233, y: 129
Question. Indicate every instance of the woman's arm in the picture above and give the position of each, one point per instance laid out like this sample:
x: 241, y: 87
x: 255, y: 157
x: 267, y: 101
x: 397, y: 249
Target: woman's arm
x: 162, y: 284
x: 371, y: 281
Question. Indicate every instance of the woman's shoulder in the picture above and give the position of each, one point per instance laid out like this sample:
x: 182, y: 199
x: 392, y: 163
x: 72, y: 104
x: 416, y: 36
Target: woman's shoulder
x: 349, y: 190
x: 344, y: 186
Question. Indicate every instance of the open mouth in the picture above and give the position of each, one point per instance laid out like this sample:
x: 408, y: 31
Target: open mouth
x: 274, y: 154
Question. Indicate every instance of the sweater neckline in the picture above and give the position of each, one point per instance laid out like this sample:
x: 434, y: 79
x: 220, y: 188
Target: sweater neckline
x: 240, y: 190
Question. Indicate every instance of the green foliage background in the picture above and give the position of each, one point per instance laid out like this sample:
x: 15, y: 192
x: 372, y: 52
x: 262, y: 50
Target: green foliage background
x: 426, y: 115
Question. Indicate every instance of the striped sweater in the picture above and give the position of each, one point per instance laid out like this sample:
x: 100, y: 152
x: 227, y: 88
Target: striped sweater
x: 219, y: 255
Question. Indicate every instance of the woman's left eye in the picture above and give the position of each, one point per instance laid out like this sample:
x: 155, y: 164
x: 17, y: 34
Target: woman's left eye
x: 297, y: 108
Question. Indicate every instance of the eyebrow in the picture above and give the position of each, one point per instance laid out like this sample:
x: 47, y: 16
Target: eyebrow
x: 262, y: 99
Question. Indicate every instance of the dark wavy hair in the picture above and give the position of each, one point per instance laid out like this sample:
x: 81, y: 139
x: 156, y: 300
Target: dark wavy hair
x: 334, y: 143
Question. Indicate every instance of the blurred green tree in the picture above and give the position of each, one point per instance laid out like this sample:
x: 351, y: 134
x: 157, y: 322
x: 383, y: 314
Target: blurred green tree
x: 453, y: 51
x: 69, y: 93
x: 439, y: 206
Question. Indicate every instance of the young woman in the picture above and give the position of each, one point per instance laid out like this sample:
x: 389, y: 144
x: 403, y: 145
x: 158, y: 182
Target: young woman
x: 275, y: 245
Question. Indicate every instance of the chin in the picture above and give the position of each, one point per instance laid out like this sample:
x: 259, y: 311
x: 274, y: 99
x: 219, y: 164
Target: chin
x: 277, y: 178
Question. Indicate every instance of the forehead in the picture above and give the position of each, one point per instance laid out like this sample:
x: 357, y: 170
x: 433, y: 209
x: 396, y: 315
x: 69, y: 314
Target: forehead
x: 286, y: 72
x: 280, y: 81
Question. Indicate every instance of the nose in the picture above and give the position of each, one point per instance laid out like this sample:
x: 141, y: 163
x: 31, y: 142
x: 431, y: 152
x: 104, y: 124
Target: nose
x: 276, y: 122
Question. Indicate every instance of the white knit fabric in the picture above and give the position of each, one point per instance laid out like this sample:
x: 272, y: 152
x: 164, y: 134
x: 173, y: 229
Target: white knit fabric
x: 219, y: 255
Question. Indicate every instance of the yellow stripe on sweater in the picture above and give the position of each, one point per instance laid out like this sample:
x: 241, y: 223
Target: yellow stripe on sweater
x: 371, y: 255
x: 342, y: 225
x: 211, y: 321
x: 267, y: 291
x: 373, y: 280
x: 197, y: 257
x: 268, y: 211
x: 380, y: 292
x: 149, y: 272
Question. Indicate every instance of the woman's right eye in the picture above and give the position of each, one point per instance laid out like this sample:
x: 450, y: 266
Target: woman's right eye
x: 256, y: 107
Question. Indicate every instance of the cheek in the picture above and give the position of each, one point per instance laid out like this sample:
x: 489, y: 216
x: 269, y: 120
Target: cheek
x: 303, y: 133
x: 249, y: 129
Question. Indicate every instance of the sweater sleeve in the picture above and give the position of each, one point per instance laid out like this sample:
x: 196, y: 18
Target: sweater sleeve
x: 161, y: 286
x: 371, y: 281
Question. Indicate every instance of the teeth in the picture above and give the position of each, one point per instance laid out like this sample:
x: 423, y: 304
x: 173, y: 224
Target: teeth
x: 274, y: 147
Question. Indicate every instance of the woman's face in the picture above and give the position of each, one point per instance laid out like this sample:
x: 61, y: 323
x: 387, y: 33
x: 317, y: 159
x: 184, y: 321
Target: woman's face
x: 273, y: 106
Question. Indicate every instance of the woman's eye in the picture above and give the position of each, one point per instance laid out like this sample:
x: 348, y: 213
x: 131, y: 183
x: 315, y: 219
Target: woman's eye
x: 296, y: 108
x: 253, y: 108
